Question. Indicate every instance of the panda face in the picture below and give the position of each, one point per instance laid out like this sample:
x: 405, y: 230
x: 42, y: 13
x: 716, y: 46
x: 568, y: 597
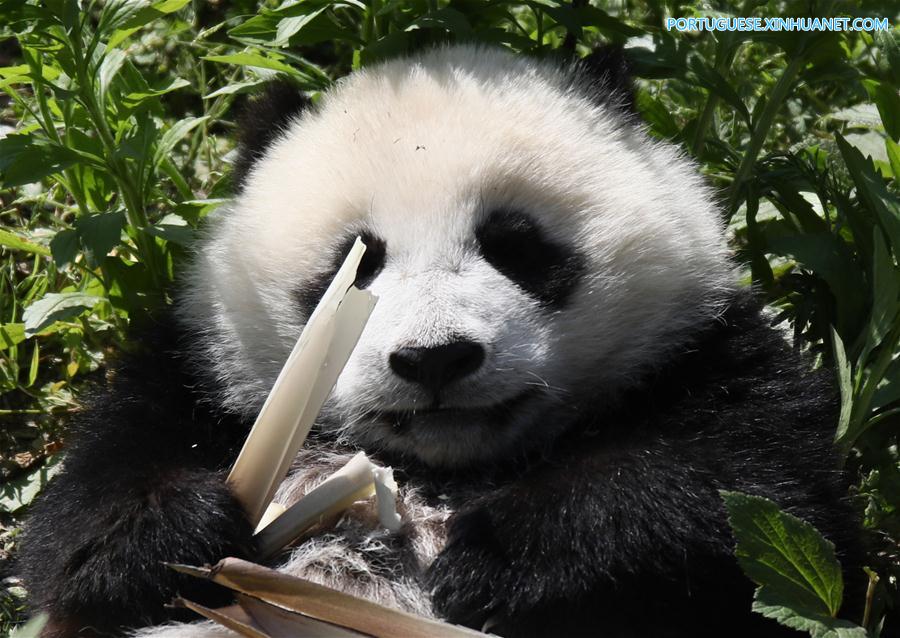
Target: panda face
x: 533, y: 255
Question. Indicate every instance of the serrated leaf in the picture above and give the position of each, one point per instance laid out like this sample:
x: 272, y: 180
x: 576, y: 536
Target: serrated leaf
x: 98, y: 234
x: 768, y: 604
x: 55, y: 307
x: 15, y: 242
x: 794, y: 565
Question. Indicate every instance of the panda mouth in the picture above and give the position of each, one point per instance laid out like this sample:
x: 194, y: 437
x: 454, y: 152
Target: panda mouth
x: 497, y: 414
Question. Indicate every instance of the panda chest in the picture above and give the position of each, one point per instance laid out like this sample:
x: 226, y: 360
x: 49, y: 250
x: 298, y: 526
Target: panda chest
x: 357, y: 555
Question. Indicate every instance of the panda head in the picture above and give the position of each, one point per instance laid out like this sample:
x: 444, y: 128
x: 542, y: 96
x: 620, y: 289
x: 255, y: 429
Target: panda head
x: 533, y: 251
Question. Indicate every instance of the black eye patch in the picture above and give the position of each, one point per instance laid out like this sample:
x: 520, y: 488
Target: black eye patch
x: 513, y: 244
x: 371, y: 264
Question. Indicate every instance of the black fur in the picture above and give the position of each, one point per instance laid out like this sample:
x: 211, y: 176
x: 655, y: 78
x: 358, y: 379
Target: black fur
x: 619, y: 527
x: 517, y: 248
x: 620, y: 531
x: 261, y: 120
x: 373, y: 260
x: 143, y: 483
x: 608, y: 75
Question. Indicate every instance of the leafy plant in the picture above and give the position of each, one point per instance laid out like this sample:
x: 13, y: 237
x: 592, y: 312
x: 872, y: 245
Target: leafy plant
x: 116, y: 125
x: 800, y: 580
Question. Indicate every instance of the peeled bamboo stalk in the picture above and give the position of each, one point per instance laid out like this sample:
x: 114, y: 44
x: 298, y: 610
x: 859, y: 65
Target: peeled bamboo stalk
x: 351, y: 483
x: 301, y: 388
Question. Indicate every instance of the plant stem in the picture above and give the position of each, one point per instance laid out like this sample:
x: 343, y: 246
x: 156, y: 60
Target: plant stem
x: 723, y: 61
x: 134, y: 210
x: 761, y: 130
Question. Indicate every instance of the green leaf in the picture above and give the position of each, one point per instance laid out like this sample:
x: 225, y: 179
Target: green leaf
x: 26, y: 158
x: 15, y: 242
x: 98, y: 234
x: 872, y: 191
x: 236, y: 87
x: 830, y: 258
x: 771, y: 605
x: 174, y: 229
x: 174, y: 135
x: 885, y: 293
x: 123, y: 14
x: 287, y: 27
x: 19, y: 492
x: 448, y: 19
x: 35, y: 365
x: 253, y: 60
x: 845, y: 385
x: 887, y: 392
x: 133, y: 99
x: 64, y: 247
x: 888, y: 102
x: 110, y: 66
x: 11, y: 334
x: 658, y: 116
x: 55, y: 307
x: 893, y: 153
x: 799, y: 577
x: 713, y: 81
x: 170, y: 6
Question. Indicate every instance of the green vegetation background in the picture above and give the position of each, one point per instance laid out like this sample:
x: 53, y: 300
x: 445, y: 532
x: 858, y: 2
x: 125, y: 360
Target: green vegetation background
x: 117, y: 124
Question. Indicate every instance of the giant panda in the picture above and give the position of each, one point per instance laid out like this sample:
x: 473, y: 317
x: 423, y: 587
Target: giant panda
x: 562, y: 369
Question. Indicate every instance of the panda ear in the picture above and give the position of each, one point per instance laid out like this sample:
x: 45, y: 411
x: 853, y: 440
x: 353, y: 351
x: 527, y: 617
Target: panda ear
x: 262, y: 118
x: 607, y: 75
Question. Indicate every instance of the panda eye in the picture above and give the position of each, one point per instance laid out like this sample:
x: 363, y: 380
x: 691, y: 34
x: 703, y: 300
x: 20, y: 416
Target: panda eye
x: 372, y: 260
x: 513, y: 244
x: 371, y: 264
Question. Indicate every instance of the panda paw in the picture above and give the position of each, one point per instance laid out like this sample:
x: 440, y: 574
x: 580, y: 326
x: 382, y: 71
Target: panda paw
x: 105, y: 566
x: 473, y: 580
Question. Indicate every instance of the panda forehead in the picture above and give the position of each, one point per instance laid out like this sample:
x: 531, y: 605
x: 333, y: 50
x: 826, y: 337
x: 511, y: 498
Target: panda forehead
x: 422, y: 149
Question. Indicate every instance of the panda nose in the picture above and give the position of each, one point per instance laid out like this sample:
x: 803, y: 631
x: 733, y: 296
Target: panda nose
x: 437, y: 366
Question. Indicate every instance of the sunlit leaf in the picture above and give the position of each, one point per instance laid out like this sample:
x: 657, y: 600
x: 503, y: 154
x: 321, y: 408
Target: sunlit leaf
x: 56, y: 307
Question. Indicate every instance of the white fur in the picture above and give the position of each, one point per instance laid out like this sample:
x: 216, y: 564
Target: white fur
x: 417, y: 151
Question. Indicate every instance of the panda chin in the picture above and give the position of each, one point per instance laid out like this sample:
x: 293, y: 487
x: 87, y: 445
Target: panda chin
x: 457, y: 436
